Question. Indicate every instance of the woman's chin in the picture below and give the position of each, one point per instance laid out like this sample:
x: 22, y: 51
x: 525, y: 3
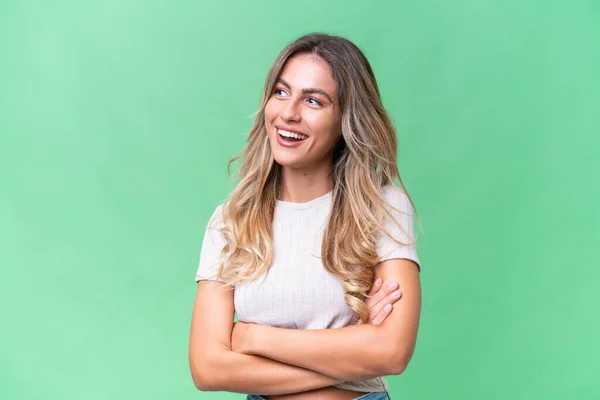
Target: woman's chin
x: 287, y: 163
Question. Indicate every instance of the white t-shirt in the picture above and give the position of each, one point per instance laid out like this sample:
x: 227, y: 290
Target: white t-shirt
x: 297, y: 292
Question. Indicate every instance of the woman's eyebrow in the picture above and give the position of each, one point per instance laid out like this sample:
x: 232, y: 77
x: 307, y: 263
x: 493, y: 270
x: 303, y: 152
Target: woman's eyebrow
x: 307, y: 90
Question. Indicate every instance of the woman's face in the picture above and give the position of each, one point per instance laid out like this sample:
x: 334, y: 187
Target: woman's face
x: 303, y: 105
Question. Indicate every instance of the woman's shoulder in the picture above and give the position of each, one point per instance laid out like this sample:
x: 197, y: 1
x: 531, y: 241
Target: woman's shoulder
x: 216, y: 219
x: 395, y: 195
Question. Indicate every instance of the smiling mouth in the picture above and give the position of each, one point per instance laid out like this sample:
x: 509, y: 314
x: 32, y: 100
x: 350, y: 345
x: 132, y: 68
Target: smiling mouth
x: 291, y: 136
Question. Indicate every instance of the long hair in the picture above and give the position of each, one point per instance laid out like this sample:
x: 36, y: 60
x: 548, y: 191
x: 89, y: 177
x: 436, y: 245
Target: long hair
x: 364, y: 162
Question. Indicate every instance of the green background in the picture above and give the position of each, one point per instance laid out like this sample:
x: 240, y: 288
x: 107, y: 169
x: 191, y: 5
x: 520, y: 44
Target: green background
x: 116, y: 122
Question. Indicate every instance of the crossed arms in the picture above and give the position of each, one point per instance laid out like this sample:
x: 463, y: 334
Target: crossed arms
x: 251, y: 358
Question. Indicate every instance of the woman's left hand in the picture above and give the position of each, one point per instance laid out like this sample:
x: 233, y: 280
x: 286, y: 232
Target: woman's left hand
x: 241, y: 338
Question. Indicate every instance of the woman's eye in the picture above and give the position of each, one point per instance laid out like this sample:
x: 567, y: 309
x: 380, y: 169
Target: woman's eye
x: 314, y: 101
x: 279, y: 92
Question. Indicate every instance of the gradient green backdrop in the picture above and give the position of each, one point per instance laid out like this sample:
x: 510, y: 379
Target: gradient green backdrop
x: 116, y: 122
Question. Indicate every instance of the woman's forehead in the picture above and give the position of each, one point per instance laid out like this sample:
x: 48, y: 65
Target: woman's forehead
x: 304, y: 71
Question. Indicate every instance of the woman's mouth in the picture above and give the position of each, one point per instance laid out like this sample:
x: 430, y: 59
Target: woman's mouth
x: 290, y: 139
x: 291, y: 135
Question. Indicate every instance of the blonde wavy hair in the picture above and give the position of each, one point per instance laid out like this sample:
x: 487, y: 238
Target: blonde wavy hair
x: 364, y: 162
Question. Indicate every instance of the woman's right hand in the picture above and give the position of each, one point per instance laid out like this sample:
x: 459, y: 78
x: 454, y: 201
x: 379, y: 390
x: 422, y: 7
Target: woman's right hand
x: 380, y: 297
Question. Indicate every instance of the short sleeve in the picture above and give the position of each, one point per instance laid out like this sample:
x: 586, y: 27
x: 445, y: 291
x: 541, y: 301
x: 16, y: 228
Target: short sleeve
x: 212, y: 244
x: 402, y: 230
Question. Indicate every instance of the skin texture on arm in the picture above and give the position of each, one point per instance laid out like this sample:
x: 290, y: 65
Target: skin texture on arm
x: 214, y: 366
x: 353, y: 352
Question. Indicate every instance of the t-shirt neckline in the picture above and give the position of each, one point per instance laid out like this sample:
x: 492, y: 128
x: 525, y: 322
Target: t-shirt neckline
x: 314, y: 203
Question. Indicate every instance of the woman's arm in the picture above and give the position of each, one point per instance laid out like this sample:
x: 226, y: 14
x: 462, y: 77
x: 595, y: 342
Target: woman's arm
x: 241, y: 373
x: 232, y: 371
x: 354, y: 352
x: 304, y: 347
x: 214, y: 366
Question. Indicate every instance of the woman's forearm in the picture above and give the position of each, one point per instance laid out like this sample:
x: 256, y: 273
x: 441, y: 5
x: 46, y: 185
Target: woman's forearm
x: 350, y: 353
x: 251, y: 374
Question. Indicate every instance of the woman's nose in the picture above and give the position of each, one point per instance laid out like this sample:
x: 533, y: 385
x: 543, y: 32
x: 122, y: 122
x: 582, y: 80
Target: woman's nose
x: 291, y: 111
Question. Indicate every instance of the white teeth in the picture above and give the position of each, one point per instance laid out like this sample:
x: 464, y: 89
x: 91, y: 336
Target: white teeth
x: 291, y: 134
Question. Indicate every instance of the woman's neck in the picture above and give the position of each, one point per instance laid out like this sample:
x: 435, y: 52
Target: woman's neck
x: 301, y: 186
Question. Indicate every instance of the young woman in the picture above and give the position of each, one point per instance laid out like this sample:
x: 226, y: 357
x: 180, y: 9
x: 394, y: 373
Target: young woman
x: 295, y: 249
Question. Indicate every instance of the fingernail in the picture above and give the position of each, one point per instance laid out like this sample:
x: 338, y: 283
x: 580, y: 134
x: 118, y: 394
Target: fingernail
x: 388, y: 307
x: 396, y: 293
x: 378, y: 282
x: 393, y: 285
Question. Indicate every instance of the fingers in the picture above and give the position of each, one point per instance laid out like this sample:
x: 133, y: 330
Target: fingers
x: 378, y: 311
x: 386, y: 290
x: 379, y: 296
x: 382, y: 315
x: 376, y: 286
